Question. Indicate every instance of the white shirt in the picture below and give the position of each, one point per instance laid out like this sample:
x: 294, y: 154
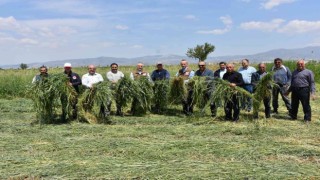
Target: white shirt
x: 88, y: 80
x: 114, y: 77
x: 222, y: 72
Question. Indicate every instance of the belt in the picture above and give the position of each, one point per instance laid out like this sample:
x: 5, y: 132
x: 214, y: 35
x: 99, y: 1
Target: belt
x: 298, y: 88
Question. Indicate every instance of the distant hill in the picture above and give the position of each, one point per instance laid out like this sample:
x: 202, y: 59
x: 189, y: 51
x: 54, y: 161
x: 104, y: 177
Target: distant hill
x: 308, y: 53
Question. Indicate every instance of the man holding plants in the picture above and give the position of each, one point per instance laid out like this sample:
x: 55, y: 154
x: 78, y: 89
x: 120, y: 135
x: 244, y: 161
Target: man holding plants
x: 114, y: 75
x: 302, y: 85
x: 160, y: 77
x: 256, y: 77
x: 235, y: 79
x: 91, y: 78
x: 43, y: 74
x: 186, y: 73
x: 204, y: 72
x: 139, y: 72
x: 160, y: 73
x: 282, y: 77
x: 75, y: 82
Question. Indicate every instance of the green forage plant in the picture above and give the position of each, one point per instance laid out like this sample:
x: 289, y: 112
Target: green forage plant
x: 223, y: 92
x: 100, y: 95
x: 262, y: 91
x: 161, y: 92
x: 50, y: 93
x: 178, y: 91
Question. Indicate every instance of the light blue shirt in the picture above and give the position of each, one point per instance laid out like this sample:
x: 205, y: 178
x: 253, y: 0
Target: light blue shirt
x: 247, y: 73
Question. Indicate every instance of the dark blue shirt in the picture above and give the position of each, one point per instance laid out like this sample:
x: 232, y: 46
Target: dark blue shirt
x: 160, y: 75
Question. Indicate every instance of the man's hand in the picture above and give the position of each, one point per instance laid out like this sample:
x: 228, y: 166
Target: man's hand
x: 313, y: 97
x: 286, y: 93
x: 232, y: 85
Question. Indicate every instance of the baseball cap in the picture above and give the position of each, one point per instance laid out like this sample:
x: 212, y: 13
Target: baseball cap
x: 159, y: 62
x: 67, y: 65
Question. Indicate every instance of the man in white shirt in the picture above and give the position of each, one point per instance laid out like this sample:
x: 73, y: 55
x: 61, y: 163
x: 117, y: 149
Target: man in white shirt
x: 91, y: 77
x: 114, y: 75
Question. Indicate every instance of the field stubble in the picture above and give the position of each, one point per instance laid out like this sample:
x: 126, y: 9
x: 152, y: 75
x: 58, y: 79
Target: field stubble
x: 157, y: 146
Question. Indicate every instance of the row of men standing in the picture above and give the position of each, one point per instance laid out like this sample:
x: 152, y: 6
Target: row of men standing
x: 300, y: 83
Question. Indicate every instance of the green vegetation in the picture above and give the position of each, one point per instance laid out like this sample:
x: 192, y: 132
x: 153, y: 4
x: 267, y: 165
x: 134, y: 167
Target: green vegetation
x: 170, y: 146
x: 200, y: 52
x: 157, y: 147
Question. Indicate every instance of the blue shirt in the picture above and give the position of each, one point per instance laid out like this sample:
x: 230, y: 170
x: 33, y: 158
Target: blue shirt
x: 160, y: 75
x: 247, y: 73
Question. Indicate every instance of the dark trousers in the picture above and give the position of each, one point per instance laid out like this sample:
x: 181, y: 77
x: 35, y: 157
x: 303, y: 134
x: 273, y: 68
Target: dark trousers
x: 233, y: 104
x: 247, y: 102
x: 188, y: 104
x: 267, y: 108
x: 275, y: 94
x: 303, y: 95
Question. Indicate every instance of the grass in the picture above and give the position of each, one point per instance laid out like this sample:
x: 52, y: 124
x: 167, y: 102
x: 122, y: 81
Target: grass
x: 158, y: 147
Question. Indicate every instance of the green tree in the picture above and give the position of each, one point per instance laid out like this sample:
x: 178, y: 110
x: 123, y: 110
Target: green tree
x: 23, y: 66
x: 200, y: 51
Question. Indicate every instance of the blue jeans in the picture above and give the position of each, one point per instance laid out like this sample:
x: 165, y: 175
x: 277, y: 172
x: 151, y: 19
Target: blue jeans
x: 247, y: 103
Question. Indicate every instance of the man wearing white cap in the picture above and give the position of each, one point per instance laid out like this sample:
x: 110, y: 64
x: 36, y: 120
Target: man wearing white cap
x: 75, y: 81
x: 74, y: 78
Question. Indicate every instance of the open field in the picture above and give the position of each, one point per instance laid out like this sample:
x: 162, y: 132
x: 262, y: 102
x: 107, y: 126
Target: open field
x: 170, y: 146
x: 157, y: 146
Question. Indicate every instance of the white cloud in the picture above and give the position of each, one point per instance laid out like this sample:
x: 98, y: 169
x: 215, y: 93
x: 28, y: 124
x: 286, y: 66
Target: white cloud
x: 11, y: 24
x: 137, y: 46
x: 263, y: 26
x: 269, y: 4
x: 279, y: 25
x: 28, y: 41
x: 226, y: 20
x: 190, y: 17
x: 121, y: 27
x: 300, y: 26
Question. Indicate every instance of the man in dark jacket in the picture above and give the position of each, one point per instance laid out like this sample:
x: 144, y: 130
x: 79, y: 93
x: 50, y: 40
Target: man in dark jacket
x: 235, y: 79
x: 221, y: 71
x: 255, y: 78
x: 75, y: 82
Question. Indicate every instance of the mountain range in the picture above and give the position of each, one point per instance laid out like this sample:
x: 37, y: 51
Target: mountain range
x: 308, y: 53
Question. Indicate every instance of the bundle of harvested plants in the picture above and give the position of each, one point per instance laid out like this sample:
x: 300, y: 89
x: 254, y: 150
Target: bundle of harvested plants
x: 161, y: 92
x: 178, y: 91
x: 96, y: 99
x: 49, y: 93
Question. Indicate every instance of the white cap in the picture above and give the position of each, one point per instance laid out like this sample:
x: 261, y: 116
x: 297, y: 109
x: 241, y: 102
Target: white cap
x: 159, y: 62
x: 67, y: 65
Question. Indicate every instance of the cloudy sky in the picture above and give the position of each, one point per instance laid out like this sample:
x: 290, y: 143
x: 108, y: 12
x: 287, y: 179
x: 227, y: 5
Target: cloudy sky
x: 39, y: 31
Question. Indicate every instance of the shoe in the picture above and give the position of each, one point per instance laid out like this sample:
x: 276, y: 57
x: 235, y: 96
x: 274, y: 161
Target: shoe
x: 275, y: 111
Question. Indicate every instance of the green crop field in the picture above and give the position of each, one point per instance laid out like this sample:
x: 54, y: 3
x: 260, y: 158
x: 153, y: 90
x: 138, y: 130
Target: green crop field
x: 170, y: 146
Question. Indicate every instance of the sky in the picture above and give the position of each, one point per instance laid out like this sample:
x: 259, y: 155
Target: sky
x: 46, y: 30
